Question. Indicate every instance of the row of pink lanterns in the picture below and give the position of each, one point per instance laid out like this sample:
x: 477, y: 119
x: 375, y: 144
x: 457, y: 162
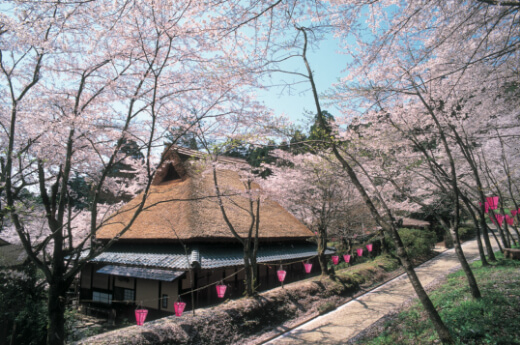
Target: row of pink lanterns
x: 281, y: 273
x: 346, y: 257
x: 140, y: 314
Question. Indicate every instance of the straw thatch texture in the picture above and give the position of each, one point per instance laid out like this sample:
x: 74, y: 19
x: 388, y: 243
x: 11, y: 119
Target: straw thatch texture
x: 186, y: 208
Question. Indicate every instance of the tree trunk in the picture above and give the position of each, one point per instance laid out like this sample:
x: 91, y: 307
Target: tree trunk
x: 56, y: 312
x: 502, y: 235
x: 475, y: 292
x: 322, y: 246
x: 441, y: 329
x: 448, y: 239
x: 322, y: 260
x: 384, y: 247
x: 510, y: 237
x: 250, y: 268
x: 505, y: 243
x: 254, y: 275
x: 487, y: 242
x: 477, y: 228
x: 249, y: 274
x: 516, y: 231
x: 481, y: 247
x: 496, y: 240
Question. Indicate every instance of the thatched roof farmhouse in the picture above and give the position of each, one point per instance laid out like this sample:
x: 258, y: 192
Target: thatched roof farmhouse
x: 180, y: 229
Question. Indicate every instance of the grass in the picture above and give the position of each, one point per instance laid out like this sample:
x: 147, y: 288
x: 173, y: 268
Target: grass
x: 494, y: 319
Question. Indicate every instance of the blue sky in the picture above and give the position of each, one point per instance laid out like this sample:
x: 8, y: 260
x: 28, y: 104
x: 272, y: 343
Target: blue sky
x: 328, y: 66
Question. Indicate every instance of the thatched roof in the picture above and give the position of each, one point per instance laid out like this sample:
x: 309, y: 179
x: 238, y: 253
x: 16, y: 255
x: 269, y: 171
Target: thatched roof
x: 182, y: 205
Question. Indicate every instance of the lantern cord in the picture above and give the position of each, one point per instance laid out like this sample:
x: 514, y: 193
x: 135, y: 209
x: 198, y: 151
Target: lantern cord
x: 288, y: 263
x: 206, y: 286
x: 161, y: 298
x: 139, y: 305
x: 233, y: 274
x: 215, y: 283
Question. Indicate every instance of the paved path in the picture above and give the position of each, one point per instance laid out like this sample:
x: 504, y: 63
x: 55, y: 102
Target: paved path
x: 347, y: 321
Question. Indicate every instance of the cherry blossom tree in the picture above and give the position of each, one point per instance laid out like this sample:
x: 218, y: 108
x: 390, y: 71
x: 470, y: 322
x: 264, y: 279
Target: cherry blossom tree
x: 413, y: 60
x: 443, y: 173
x: 312, y: 188
x: 381, y: 213
x: 252, y: 195
x: 78, y: 80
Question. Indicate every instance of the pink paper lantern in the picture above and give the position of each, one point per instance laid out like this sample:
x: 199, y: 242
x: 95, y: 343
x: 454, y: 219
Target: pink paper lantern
x: 514, y: 212
x: 335, y: 259
x: 221, y: 290
x: 499, y: 218
x: 140, y: 316
x: 509, y: 220
x: 308, y: 267
x: 369, y: 247
x: 179, y: 308
x: 486, y: 207
x: 359, y: 251
x: 281, y: 275
x: 492, y: 202
x: 346, y: 257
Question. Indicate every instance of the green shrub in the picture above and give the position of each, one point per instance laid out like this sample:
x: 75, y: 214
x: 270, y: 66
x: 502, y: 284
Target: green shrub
x: 439, y: 232
x: 326, y: 307
x: 466, y: 233
x: 22, y: 306
x: 417, y: 242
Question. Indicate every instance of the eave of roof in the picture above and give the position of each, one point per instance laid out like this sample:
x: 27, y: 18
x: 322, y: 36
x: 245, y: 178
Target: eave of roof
x: 144, y: 273
x: 208, y: 257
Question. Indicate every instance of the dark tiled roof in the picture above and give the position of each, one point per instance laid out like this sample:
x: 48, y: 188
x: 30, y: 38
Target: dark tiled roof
x: 145, y: 273
x: 160, y: 256
x: 209, y: 256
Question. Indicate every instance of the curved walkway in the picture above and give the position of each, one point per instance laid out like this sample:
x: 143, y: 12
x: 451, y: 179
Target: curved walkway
x: 338, y: 326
